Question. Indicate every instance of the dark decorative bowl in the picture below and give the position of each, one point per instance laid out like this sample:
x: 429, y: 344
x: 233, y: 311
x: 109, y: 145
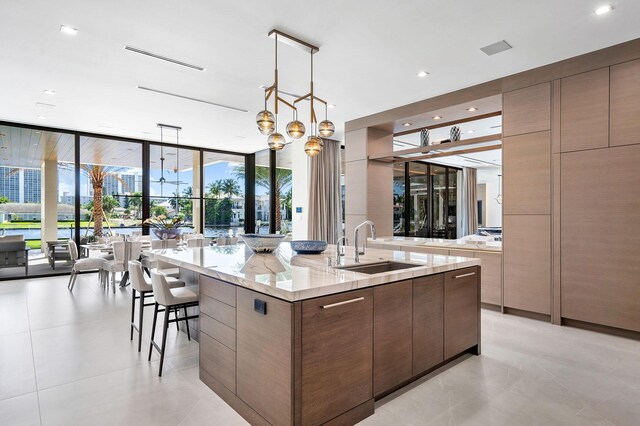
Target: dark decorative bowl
x: 308, y: 246
x: 262, y: 243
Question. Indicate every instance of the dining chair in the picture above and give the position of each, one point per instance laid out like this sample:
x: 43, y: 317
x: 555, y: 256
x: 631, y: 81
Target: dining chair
x: 122, y: 253
x: 171, y: 299
x: 84, y: 264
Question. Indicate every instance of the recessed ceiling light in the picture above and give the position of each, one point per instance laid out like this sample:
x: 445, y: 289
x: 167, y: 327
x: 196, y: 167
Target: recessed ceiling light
x: 43, y: 105
x: 42, y: 117
x: 471, y: 131
x: 331, y: 106
x: 422, y: 74
x: 603, y: 9
x: 437, y: 117
x: 49, y: 92
x: 471, y: 109
x: 406, y: 124
x: 68, y: 30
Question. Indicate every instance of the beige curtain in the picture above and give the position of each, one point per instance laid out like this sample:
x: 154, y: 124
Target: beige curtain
x: 325, y: 201
x: 469, y: 202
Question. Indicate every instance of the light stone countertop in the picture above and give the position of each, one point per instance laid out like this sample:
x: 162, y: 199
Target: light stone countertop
x: 470, y: 242
x: 292, y: 277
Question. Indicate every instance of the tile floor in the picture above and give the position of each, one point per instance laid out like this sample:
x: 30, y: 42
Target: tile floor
x: 66, y: 359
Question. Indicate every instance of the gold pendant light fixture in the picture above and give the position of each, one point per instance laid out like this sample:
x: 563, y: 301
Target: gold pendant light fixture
x: 268, y: 122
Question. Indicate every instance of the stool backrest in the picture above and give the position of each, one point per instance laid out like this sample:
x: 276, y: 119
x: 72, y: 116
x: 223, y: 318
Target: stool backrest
x: 161, y: 291
x: 136, y: 275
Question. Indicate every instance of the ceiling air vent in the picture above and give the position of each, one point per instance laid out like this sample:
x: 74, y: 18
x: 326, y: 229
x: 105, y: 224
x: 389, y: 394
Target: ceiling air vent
x: 162, y: 58
x: 494, y: 48
x: 189, y: 98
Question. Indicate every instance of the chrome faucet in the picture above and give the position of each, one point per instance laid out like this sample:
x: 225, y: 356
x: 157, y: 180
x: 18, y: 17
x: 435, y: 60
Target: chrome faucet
x: 340, y: 249
x: 364, y: 245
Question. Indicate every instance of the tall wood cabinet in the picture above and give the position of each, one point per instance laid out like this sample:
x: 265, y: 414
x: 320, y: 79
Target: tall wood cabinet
x: 527, y: 204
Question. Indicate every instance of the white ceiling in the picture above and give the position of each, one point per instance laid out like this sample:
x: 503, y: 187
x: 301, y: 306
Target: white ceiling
x: 370, y: 52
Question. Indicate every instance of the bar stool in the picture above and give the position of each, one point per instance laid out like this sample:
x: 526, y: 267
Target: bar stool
x: 142, y: 286
x: 171, y: 300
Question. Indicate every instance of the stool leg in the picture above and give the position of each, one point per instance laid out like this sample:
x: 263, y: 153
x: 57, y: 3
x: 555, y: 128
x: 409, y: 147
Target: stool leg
x: 140, y: 321
x: 133, y: 309
x: 164, y: 340
x: 186, y: 323
x: 153, y: 328
x: 175, y: 313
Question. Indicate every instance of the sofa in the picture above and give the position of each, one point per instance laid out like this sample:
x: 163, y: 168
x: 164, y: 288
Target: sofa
x: 14, y: 252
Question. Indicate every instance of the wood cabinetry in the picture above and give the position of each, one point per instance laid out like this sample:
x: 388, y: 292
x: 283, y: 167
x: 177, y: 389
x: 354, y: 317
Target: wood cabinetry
x: 584, y: 113
x: 428, y: 322
x: 491, y: 274
x: 337, y: 354
x: 393, y: 325
x: 600, y: 245
x: 461, y: 313
x: 527, y: 110
x: 527, y: 262
x: 265, y: 356
x: 218, y: 332
x: 527, y: 173
x: 625, y: 104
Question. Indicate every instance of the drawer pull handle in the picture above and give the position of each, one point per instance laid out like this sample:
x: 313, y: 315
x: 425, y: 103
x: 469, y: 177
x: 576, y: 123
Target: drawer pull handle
x: 465, y: 275
x: 345, y: 302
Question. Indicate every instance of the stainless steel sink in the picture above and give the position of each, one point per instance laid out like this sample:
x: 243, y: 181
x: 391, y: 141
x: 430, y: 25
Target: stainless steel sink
x: 378, y: 267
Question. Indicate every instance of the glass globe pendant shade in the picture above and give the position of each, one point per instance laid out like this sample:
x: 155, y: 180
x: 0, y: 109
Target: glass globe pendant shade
x: 295, y: 129
x: 266, y: 122
x: 326, y: 128
x: 276, y: 141
x: 313, y: 146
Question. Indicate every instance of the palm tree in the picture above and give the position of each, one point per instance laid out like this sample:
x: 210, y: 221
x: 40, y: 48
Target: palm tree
x: 97, y: 175
x: 214, y: 189
x: 187, y: 192
x: 283, y: 180
x: 230, y: 187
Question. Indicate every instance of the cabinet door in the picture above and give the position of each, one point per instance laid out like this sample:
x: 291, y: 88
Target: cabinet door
x: 625, y: 108
x: 428, y: 322
x: 527, y: 110
x: 601, y: 271
x: 392, y: 331
x: 264, y: 356
x: 527, y: 164
x: 584, y: 111
x: 491, y: 273
x: 337, y: 354
x: 461, y: 311
x: 527, y: 262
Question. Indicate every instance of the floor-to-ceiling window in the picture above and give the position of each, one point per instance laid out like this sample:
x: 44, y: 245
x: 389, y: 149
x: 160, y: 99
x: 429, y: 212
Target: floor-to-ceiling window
x: 224, y: 197
x: 37, y: 215
x: 399, y: 198
x: 174, y: 176
x: 111, y: 175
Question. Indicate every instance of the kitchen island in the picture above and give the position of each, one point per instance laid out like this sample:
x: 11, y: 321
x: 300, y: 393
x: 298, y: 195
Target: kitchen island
x: 288, y: 339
